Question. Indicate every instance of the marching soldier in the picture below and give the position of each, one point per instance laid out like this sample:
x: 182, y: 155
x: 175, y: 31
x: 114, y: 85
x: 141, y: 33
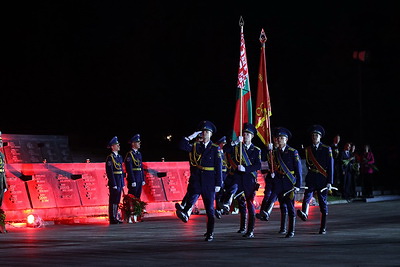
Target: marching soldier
x: 115, y: 177
x: 218, y: 196
x: 245, y: 177
x: 287, y: 179
x: 319, y: 179
x: 269, y: 185
x: 206, y: 180
x: 3, y: 181
x: 134, y: 167
x: 184, y: 145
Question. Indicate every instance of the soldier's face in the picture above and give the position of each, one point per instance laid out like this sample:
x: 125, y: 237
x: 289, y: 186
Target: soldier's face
x: 282, y: 141
x: 206, y: 135
x: 115, y: 147
x: 136, y: 145
x: 316, y: 138
x: 247, y: 137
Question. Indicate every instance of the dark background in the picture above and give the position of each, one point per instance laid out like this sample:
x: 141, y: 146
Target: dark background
x: 94, y: 69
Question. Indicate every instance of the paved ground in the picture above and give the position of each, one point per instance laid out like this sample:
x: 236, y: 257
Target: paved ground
x: 359, y: 234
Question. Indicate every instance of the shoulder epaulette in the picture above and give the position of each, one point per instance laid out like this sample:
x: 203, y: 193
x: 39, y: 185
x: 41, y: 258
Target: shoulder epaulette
x: 215, y: 145
x: 291, y: 149
x: 256, y: 147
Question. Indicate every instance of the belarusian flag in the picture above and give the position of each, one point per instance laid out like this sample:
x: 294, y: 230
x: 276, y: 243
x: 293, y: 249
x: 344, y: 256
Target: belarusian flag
x: 243, y: 110
x: 263, y: 104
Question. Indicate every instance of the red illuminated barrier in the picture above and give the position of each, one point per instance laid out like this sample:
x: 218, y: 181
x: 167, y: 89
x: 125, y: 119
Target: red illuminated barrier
x: 65, y: 190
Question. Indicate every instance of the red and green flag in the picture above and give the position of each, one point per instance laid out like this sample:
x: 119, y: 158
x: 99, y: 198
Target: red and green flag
x: 263, y: 103
x: 243, y: 109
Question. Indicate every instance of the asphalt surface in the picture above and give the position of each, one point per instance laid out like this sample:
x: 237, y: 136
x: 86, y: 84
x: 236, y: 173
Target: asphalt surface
x: 359, y: 234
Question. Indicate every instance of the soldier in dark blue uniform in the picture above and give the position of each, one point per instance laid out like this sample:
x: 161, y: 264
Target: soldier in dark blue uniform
x: 115, y: 177
x: 245, y: 176
x: 193, y: 163
x: 134, y: 167
x: 287, y: 181
x: 3, y: 180
x: 319, y: 161
x: 267, y: 155
x: 218, y: 196
x: 206, y: 180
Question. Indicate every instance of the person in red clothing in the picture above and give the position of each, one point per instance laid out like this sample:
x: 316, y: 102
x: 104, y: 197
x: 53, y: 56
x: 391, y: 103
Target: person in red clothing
x: 367, y: 170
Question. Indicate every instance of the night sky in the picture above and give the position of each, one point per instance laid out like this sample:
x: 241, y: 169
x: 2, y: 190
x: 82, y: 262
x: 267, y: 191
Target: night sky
x: 94, y: 69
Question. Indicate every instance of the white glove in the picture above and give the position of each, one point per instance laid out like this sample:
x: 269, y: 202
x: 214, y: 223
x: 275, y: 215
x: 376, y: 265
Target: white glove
x: 134, y: 184
x: 237, y: 141
x: 270, y: 146
x: 193, y: 135
x: 143, y: 183
x: 241, y: 168
x: 328, y: 187
x: 217, y: 189
x: 5, y: 190
x: 272, y: 175
x: 115, y: 187
x: 296, y: 189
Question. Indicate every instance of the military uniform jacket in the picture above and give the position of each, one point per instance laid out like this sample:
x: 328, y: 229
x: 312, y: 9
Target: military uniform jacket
x: 291, y: 159
x: 134, y: 167
x: 320, y: 166
x: 245, y: 180
x: 114, y: 170
x: 207, y: 172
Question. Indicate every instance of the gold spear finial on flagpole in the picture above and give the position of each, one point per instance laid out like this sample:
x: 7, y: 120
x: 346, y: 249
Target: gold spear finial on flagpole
x: 241, y: 21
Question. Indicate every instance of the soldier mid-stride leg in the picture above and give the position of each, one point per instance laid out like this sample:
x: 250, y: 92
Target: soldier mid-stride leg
x: 247, y: 210
x: 289, y: 202
x: 284, y: 217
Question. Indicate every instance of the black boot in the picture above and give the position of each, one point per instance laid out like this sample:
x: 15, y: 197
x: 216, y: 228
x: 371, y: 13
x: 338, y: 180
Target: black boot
x: 283, y: 229
x: 111, y: 217
x: 184, y: 214
x: 322, y: 229
x: 266, y: 213
x: 292, y: 222
x: 250, y: 227
x: 210, y: 228
x: 226, y: 204
x: 113, y: 214
x: 243, y: 220
x: 303, y: 213
x: 115, y: 207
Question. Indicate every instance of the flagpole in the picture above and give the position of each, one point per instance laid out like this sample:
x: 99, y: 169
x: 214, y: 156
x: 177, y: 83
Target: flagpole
x: 241, y: 24
x: 263, y: 40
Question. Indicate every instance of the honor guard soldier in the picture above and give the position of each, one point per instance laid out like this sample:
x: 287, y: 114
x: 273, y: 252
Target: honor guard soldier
x: 206, y: 180
x: 218, y: 196
x: 288, y: 173
x: 134, y: 167
x: 192, y: 161
x: 115, y: 177
x: 319, y: 179
x: 3, y: 181
x: 269, y: 185
x: 246, y: 163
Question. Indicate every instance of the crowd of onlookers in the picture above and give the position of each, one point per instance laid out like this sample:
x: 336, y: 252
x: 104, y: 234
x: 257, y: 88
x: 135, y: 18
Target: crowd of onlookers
x: 353, y: 168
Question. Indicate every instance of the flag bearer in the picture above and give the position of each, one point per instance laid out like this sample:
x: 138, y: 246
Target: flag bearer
x: 246, y: 164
